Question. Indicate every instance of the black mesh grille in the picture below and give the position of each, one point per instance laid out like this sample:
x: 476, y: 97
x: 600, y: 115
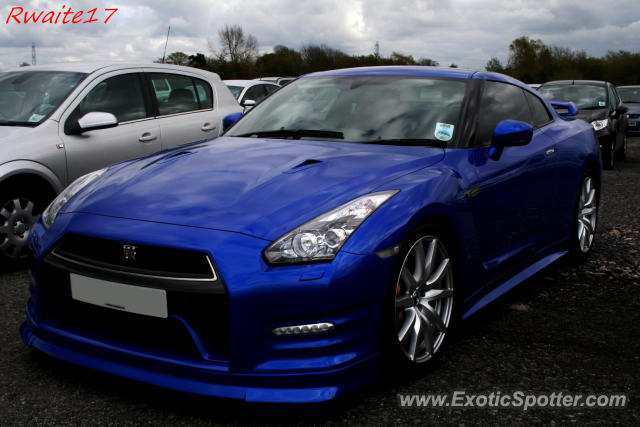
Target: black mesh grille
x: 146, y: 259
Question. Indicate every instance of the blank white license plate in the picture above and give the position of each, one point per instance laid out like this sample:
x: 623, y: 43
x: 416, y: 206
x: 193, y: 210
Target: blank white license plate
x: 118, y: 296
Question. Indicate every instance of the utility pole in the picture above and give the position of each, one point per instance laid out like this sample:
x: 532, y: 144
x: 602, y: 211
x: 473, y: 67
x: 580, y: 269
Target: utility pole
x: 165, y: 44
x: 33, y: 53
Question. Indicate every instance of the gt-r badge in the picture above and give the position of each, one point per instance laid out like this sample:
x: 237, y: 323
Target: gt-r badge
x: 129, y: 252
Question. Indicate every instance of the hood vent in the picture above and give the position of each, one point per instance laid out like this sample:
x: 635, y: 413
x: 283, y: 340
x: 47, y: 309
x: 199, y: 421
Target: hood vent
x: 304, y: 165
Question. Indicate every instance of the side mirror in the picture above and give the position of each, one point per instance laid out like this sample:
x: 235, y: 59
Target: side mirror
x: 229, y: 120
x: 564, y: 109
x: 97, y: 120
x: 622, y: 109
x: 90, y: 121
x: 509, y: 133
x: 248, y: 104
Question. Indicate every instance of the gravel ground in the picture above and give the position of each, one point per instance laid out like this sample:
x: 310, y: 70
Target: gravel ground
x: 569, y: 329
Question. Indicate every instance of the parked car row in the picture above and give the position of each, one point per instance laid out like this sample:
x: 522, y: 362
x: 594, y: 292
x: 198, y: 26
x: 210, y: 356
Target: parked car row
x: 333, y: 235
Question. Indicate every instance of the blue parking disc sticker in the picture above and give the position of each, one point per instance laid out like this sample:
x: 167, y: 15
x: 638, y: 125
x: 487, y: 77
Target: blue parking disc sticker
x: 444, y: 131
x: 601, y: 103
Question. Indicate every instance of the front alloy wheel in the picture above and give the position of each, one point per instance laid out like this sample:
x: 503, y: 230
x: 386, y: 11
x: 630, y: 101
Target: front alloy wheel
x: 17, y: 217
x: 423, y: 299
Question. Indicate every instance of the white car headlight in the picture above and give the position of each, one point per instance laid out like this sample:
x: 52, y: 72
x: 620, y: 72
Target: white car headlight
x: 321, y: 238
x: 600, y: 124
x: 49, y: 215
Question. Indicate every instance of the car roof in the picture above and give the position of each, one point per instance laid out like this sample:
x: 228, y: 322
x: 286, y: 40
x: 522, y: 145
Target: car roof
x: 92, y: 67
x: 419, y: 71
x: 247, y: 83
x: 576, y: 82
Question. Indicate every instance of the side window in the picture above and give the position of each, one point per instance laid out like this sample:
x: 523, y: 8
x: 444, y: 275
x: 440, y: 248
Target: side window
x: 616, y: 98
x: 257, y: 93
x: 613, y: 101
x: 205, y: 94
x: 500, y: 101
x: 175, y: 93
x: 119, y: 95
x: 271, y: 88
x: 540, y: 113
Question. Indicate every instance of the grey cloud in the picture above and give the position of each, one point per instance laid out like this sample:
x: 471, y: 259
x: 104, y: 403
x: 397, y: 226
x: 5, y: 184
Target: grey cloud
x: 466, y: 32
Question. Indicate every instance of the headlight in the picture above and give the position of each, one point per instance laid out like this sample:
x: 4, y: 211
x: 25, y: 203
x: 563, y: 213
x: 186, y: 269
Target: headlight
x: 321, y: 238
x: 49, y: 215
x: 600, y: 124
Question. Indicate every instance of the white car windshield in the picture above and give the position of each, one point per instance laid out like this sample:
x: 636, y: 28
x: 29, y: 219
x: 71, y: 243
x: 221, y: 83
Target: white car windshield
x: 29, y: 97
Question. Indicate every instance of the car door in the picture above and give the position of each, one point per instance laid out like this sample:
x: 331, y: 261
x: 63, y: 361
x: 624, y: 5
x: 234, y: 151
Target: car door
x: 513, y: 195
x: 187, y: 114
x: 137, y: 134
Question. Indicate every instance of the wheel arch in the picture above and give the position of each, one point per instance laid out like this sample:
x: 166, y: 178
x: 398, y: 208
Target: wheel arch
x: 31, y: 174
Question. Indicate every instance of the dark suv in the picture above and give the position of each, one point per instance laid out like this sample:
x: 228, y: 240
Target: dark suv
x: 599, y: 104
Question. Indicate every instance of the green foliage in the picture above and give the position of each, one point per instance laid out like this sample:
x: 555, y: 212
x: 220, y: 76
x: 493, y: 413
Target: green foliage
x: 532, y: 61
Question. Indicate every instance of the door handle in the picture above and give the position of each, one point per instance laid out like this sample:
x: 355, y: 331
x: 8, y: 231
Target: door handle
x: 146, y: 137
x: 207, y: 127
x: 550, y: 151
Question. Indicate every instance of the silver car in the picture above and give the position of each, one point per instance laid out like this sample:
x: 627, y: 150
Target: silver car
x: 60, y: 121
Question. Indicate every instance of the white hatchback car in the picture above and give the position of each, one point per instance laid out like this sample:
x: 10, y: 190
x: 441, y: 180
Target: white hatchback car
x: 60, y: 121
x: 250, y: 90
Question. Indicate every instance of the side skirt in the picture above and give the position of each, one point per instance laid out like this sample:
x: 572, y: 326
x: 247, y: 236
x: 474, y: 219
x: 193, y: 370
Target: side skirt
x: 513, y: 281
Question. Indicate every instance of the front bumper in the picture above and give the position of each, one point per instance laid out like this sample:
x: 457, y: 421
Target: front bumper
x: 255, y: 364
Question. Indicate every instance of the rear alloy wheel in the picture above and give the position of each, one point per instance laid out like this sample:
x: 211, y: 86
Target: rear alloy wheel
x: 17, y: 217
x: 587, y: 215
x: 585, y: 219
x: 423, y: 299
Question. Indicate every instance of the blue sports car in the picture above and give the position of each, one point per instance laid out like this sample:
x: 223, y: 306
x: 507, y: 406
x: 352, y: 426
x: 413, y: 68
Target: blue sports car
x: 334, y: 234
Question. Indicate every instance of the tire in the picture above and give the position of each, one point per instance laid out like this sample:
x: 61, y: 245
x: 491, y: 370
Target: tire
x: 608, y: 155
x: 585, y: 218
x: 417, y: 320
x: 622, y: 153
x: 19, y: 210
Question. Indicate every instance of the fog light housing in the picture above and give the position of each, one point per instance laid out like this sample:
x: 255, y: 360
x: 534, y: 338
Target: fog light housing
x: 312, y: 328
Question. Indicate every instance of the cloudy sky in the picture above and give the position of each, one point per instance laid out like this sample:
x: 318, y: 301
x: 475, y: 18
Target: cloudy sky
x: 464, y: 32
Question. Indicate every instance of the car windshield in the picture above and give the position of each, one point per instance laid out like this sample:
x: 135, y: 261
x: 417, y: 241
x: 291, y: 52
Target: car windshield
x: 235, y: 90
x: 29, y: 97
x: 630, y: 94
x: 367, y: 109
x: 586, y: 97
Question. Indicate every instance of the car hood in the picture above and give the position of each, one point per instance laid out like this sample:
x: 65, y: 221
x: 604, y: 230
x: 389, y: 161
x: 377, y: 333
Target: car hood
x: 591, y: 115
x: 10, y: 133
x: 634, y: 107
x: 259, y: 187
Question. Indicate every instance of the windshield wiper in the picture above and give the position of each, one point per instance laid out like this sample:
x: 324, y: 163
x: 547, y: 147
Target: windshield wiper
x: 295, y: 133
x: 593, y: 107
x: 405, y: 141
x: 17, y: 123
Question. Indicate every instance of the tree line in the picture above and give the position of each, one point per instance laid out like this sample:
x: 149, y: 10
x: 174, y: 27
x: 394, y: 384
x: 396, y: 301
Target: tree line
x: 533, y: 61
x: 530, y: 61
x: 237, y: 58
